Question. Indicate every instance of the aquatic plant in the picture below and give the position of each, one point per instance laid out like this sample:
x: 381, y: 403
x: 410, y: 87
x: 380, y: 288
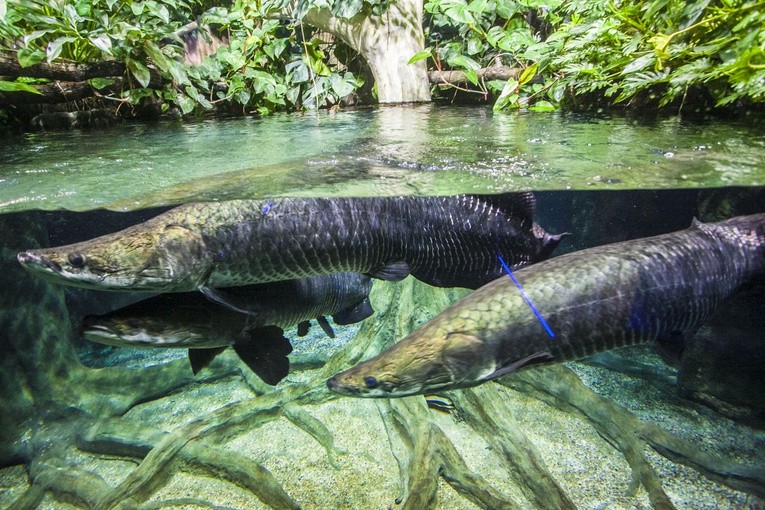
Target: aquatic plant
x: 61, y: 419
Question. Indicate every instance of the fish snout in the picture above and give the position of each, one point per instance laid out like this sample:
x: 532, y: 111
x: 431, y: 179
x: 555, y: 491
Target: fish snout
x: 333, y: 384
x: 33, y: 259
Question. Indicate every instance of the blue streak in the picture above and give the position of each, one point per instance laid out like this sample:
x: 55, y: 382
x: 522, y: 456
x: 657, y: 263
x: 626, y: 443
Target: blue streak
x: 525, y: 297
x: 267, y: 208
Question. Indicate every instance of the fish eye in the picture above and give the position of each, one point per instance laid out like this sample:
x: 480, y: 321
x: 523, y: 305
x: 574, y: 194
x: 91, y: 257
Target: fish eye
x: 371, y: 382
x: 133, y: 323
x: 76, y: 260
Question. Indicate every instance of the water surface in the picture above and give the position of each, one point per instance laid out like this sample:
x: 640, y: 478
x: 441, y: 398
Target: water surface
x: 423, y: 150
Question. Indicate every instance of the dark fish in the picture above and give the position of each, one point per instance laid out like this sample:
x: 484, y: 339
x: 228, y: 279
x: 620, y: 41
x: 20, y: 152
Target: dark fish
x: 443, y: 241
x: 657, y: 288
x: 189, y: 321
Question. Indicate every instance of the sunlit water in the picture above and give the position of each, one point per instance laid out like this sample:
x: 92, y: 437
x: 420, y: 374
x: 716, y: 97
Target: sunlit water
x: 385, y: 151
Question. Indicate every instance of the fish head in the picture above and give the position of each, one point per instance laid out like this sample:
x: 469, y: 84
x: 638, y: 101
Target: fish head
x: 167, y: 258
x: 421, y: 363
x: 124, y: 330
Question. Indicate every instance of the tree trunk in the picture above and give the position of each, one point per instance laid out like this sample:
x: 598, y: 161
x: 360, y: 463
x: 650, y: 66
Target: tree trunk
x: 387, y: 43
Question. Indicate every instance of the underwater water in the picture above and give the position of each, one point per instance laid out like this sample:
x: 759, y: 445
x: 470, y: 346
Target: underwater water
x: 86, y: 425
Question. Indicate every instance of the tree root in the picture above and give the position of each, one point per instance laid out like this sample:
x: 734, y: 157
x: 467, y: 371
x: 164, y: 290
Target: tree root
x: 560, y: 387
x: 432, y: 454
x: 482, y: 411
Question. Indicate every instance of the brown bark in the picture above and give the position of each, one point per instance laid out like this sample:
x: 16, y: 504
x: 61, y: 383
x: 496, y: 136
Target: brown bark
x: 52, y: 93
x: 455, y: 77
x: 61, y: 70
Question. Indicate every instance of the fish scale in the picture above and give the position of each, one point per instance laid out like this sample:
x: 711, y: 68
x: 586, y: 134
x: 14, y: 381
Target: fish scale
x: 440, y: 240
x: 593, y: 300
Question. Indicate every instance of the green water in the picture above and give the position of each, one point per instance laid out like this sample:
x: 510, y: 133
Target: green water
x: 385, y: 151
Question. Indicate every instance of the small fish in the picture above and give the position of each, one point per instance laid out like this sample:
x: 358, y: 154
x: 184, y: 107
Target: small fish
x: 189, y: 321
x: 443, y: 241
x: 440, y: 403
x: 652, y: 289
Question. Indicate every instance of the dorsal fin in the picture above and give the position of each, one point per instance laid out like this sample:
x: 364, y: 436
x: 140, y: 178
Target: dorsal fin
x: 522, y: 204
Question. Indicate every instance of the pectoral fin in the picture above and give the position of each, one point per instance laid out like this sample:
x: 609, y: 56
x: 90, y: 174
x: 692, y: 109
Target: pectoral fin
x: 392, y: 271
x: 223, y: 299
x: 325, y: 326
x: 671, y: 347
x: 353, y: 314
x: 200, y: 358
x: 265, y: 352
x: 303, y: 327
x: 537, y: 357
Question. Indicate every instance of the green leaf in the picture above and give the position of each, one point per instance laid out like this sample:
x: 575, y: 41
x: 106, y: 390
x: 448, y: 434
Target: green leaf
x: 29, y: 57
x: 140, y: 71
x: 103, y: 43
x: 471, y: 76
x: 101, y: 83
x: 17, y: 86
x: 159, y: 11
x: 542, y: 106
x: 340, y: 86
x: 185, y: 102
x: 420, y: 55
x: 464, y: 62
x: 159, y: 58
x: 640, y: 64
x: 508, y: 95
x: 346, y: 9
x: 55, y: 47
x: 35, y: 35
x: 528, y: 74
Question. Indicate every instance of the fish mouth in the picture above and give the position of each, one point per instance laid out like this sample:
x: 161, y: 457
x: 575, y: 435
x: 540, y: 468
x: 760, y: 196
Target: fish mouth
x: 335, y: 386
x: 33, y: 260
x: 96, y: 330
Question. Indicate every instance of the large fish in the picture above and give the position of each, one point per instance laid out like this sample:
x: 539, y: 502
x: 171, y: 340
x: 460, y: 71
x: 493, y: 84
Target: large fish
x: 593, y: 300
x: 189, y: 321
x: 443, y: 241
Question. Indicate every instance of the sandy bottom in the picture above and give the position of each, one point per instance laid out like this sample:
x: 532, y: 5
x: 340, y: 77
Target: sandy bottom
x: 365, y: 472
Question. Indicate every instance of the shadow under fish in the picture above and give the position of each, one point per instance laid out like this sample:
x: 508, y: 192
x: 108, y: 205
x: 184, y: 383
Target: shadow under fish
x: 189, y: 321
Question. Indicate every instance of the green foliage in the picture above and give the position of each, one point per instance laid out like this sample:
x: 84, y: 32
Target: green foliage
x: 267, y: 65
x: 647, y: 51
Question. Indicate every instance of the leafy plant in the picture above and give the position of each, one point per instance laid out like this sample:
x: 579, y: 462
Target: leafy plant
x: 267, y: 65
x: 653, y: 52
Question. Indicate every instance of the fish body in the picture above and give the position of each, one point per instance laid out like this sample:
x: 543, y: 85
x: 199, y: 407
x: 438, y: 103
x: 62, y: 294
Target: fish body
x: 188, y: 320
x: 444, y: 241
x: 593, y: 300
